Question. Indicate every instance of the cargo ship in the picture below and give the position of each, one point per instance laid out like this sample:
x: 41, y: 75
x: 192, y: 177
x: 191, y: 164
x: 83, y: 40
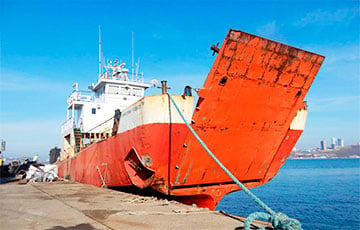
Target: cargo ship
x: 250, y: 112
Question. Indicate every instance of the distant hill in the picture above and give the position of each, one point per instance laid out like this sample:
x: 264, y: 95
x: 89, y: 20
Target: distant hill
x: 350, y: 151
x: 347, y: 151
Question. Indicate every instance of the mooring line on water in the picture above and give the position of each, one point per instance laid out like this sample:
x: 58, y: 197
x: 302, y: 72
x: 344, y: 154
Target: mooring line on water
x: 279, y: 220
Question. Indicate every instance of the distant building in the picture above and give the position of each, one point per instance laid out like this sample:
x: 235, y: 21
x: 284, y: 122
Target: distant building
x: 333, y: 143
x: 323, y: 145
x: 3, y: 144
x: 340, y: 142
x: 53, y: 155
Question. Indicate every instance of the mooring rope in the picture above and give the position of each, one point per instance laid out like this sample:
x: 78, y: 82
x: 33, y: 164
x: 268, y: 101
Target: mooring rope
x: 279, y: 220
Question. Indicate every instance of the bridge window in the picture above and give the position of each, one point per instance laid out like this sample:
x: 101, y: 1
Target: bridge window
x: 137, y: 92
x: 125, y: 90
x: 93, y: 111
x: 114, y: 89
x: 99, y: 92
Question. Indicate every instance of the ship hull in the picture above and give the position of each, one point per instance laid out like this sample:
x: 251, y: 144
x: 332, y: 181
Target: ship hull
x: 106, y: 159
x: 104, y: 164
x: 250, y: 114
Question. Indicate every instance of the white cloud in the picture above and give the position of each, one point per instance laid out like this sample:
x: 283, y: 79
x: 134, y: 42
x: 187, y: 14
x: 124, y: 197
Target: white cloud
x: 334, y: 103
x: 322, y: 17
x: 268, y: 30
x: 345, y: 53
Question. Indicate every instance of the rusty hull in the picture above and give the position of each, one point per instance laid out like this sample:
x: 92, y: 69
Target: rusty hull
x: 249, y: 99
x: 251, y: 95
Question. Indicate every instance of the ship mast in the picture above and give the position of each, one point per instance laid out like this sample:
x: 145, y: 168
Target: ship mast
x: 132, y: 56
x: 99, y: 51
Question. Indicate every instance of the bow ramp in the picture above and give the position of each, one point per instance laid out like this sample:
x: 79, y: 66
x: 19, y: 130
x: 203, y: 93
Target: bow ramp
x: 253, y: 93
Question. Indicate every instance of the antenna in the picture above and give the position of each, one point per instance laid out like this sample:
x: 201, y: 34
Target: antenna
x: 100, y: 54
x: 132, y: 56
x: 137, y: 69
x: 103, y: 61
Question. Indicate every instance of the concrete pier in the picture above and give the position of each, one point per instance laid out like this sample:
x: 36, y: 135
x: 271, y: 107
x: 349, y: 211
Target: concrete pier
x: 62, y: 205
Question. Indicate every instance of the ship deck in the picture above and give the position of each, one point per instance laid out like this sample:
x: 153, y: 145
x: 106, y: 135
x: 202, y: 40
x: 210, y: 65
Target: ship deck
x: 67, y: 205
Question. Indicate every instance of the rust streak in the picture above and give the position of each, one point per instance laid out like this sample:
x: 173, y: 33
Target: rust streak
x: 181, y: 164
x: 187, y: 173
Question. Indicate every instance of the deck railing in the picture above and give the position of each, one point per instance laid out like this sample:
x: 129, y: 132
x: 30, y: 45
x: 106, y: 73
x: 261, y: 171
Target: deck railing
x: 138, y: 77
x: 81, y: 96
x: 105, y: 126
x: 67, y: 126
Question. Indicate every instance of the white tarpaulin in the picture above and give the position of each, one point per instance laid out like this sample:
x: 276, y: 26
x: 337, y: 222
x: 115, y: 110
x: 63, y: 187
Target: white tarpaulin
x: 47, y: 173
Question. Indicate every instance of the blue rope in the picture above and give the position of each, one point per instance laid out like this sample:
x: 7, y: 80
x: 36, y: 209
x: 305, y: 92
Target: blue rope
x: 279, y: 220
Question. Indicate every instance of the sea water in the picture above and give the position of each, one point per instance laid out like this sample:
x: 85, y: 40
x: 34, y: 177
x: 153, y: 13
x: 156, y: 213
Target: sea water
x: 320, y: 193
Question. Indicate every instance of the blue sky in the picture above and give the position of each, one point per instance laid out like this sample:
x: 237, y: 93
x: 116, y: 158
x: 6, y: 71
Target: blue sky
x: 48, y: 45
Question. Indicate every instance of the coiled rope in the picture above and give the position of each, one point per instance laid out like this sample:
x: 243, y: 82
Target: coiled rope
x: 279, y: 220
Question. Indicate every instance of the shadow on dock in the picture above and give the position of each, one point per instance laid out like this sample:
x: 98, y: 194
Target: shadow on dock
x: 63, y: 205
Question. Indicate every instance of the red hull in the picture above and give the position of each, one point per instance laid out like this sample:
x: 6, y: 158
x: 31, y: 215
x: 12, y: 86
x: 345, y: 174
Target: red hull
x: 107, y: 159
x: 246, y: 106
x: 152, y: 139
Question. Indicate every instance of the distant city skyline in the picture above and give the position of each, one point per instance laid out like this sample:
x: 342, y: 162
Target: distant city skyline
x: 339, y: 142
x: 46, y: 46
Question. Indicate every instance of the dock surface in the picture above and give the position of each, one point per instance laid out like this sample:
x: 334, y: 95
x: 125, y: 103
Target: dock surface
x: 62, y: 205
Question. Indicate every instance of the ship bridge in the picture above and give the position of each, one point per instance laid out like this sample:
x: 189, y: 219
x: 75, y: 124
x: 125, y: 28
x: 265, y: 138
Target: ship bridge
x: 91, y: 113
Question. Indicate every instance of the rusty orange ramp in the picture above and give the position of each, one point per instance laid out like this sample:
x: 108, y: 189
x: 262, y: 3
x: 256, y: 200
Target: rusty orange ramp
x: 252, y: 94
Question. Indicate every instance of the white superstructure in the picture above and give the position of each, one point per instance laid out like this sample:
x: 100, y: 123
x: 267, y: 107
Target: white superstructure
x: 92, y: 112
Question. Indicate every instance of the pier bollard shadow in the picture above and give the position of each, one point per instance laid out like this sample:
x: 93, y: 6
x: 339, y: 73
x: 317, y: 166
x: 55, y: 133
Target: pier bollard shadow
x: 77, y: 227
